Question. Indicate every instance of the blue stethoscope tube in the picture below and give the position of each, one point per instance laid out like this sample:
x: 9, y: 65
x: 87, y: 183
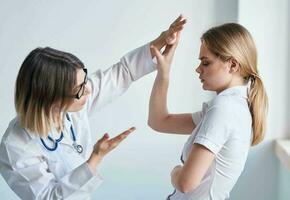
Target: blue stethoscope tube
x: 76, y: 146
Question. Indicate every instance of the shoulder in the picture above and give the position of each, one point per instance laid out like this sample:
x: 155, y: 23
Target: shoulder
x: 220, y: 105
x: 16, y: 136
x: 226, y: 109
x: 229, y: 104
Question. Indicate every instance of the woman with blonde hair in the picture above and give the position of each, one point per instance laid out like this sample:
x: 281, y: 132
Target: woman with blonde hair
x: 47, y: 151
x: 222, y: 132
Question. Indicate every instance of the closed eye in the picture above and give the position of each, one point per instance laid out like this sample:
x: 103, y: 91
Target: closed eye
x: 205, y: 63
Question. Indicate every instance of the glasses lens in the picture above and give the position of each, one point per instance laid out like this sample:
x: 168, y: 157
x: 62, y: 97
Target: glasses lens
x: 83, y: 86
x: 82, y: 90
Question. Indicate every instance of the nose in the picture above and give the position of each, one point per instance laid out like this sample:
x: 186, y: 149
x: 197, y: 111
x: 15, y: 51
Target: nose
x: 88, y: 89
x: 198, y: 69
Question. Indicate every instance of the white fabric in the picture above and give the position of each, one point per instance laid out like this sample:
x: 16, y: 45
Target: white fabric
x: 224, y: 127
x: 33, y: 172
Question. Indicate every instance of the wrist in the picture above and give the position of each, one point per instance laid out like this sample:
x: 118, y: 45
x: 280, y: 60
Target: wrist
x: 160, y: 41
x: 163, y: 76
x: 94, y: 160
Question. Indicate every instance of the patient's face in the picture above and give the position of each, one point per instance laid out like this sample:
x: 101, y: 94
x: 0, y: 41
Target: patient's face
x: 213, y: 72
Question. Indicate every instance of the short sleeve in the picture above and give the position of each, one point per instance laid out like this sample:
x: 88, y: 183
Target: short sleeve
x: 214, y: 130
x: 196, y: 117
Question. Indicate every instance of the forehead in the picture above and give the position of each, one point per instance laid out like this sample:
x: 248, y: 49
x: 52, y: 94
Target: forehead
x: 205, y: 52
x: 80, y: 76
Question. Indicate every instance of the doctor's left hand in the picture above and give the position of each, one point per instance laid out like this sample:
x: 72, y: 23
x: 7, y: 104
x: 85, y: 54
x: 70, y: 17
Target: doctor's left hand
x: 169, y: 36
x: 105, y: 145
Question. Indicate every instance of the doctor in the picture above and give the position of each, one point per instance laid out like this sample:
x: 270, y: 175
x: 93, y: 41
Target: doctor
x: 46, y: 151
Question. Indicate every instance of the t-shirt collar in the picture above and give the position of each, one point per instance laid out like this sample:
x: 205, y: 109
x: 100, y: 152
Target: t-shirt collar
x: 241, y: 90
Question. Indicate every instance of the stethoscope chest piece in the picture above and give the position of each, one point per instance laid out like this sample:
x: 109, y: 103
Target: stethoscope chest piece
x: 78, y: 147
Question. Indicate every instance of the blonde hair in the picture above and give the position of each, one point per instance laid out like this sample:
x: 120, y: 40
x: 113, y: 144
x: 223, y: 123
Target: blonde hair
x: 232, y: 40
x: 46, y: 78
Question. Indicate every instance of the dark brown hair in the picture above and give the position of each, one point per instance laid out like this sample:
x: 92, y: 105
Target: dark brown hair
x: 46, y: 78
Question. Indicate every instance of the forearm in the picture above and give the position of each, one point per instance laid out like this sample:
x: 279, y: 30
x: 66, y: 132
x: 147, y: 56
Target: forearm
x: 158, y: 101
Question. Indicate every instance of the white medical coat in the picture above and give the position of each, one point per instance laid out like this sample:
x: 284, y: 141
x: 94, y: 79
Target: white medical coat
x: 33, y: 172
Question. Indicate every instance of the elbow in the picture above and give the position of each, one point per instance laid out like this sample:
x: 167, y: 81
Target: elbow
x: 153, y: 125
x: 158, y: 124
x: 185, y: 187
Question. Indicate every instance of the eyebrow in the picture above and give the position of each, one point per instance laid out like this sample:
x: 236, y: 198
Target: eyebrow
x: 80, y: 84
x: 203, y: 57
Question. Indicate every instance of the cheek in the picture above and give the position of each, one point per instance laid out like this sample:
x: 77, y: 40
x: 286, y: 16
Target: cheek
x: 78, y: 104
x: 221, y: 80
x: 215, y: 78
x: 81, y: 101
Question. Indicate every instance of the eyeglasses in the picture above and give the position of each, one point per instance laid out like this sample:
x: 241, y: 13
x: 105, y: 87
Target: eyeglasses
x: 81, y: 91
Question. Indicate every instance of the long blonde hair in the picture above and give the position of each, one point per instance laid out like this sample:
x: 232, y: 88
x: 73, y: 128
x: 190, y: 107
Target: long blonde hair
x: 232, y: 40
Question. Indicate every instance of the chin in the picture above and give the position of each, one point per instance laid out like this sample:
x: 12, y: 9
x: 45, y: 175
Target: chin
x: 77, y: 109
x: 204, y: 87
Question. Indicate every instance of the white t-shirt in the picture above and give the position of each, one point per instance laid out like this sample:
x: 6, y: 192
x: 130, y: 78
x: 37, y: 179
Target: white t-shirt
x: 34, y: 172
x: 224, y: 127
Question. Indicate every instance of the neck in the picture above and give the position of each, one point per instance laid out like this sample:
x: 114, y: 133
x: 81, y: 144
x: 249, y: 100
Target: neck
x: 57, y: 120
x: 238, y: 81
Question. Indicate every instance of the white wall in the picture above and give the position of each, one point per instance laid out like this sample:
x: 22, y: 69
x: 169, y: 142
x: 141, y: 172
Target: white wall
x: 99, y: 33
x: 268, y: 22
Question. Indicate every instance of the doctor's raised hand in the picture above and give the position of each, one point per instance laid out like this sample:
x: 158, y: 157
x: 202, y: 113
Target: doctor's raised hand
x: 47, y: 151
x: 169, y: 36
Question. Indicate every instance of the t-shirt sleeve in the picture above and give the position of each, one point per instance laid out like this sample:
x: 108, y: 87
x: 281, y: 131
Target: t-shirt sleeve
x: 214, y: 130
x: 196, y: 117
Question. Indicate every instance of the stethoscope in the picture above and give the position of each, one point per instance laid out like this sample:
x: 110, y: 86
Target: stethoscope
x: 76, y: 146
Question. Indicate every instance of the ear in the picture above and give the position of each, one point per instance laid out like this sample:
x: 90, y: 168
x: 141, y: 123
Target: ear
x: 234, y: 65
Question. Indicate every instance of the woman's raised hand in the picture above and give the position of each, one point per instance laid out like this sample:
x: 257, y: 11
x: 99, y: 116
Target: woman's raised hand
x: 164, y: 59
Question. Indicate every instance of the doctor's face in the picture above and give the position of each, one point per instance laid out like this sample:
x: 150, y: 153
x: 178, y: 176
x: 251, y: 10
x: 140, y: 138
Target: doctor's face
x: 82, y: 91
x: 213, y: 72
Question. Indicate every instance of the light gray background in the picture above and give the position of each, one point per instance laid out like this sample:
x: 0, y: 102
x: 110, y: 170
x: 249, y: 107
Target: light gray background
x: 99, y: 32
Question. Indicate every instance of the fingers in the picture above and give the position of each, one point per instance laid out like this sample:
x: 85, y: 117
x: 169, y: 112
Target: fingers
x: 179, y: 19
x: 167, y: 49
x: 156, y: 52
x: 177, y: 40
x: 119, y: 138
x: 104, y: 138
x: 177, y: 25
x: 170, y: 49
